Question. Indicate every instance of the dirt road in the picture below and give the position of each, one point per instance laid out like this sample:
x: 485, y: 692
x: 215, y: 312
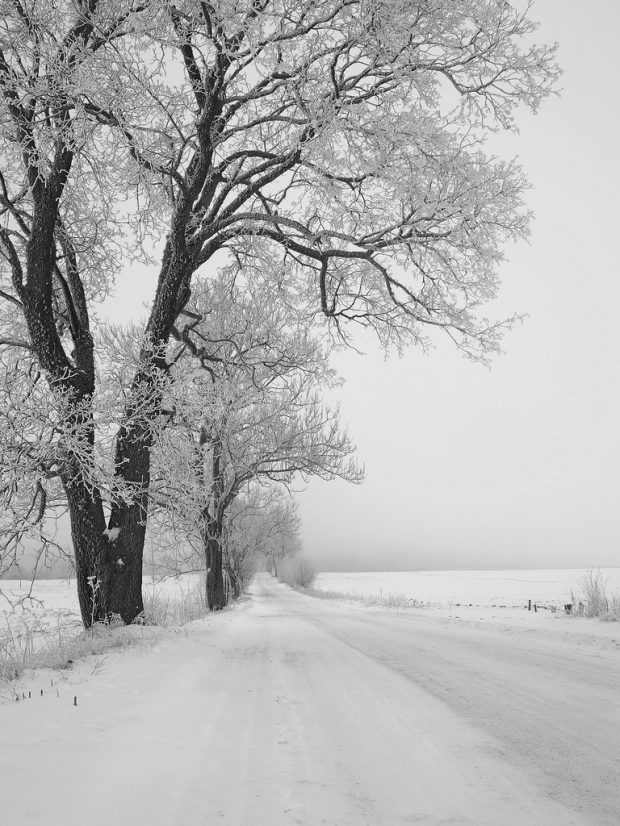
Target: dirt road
x: 295, y: 710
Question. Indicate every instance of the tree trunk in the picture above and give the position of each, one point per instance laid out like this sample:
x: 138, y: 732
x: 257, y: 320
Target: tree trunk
x: 89, y: 546
x: 108, y: 566
x: 234, y: 581
x: 216, y: 594
x: 127, y: 525
x: 124, y: 583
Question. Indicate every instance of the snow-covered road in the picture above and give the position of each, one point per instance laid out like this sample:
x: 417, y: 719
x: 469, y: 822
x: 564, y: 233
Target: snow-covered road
x: 294, y: 710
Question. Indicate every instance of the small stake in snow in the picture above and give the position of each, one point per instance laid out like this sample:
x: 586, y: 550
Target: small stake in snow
x: 529, y: 605
x: 75, y: 701
x: 41, y: 692
x: 29, y: 695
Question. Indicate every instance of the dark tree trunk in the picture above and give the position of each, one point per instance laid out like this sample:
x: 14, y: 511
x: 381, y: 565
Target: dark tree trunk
x: 216, y: 593
x: 128, y: 520
x: 124, y: 571
x: 89, y: 546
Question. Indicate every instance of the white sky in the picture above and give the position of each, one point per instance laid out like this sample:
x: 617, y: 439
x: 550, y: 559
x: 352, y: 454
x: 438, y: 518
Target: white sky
x: 518, y: 466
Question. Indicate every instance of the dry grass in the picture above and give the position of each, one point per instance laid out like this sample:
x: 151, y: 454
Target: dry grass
x: 594, y: 601
x: 26, y: 643
x: 23, y: 647
x: 380, y: 600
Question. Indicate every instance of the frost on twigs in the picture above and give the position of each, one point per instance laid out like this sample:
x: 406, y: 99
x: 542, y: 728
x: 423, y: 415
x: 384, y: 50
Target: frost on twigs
x: 247, y: 390
x: 332, y: 152
x: 346, y: 141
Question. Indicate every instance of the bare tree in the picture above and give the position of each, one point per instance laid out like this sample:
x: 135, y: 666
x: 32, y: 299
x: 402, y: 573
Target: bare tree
x: 337, y: 146
x: 278, y: 535
x: 58, y: 244
x: 261, y: 528
x: 247, y: 408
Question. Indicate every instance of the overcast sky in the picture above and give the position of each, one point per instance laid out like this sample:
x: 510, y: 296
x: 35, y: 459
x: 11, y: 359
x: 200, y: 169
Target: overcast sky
x: 518, y: 466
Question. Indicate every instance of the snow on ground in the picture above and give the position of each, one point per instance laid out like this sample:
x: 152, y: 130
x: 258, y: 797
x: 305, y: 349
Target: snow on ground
x: 490, y: 599
x: 478, y: 588
x: 60, y: 594
x: 295, y: 710
x: 43, y: 609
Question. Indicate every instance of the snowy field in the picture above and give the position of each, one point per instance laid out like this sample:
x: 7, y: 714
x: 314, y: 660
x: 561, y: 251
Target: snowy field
x: 49, y: 607
x: 509, y: 589
x: 495, y: 600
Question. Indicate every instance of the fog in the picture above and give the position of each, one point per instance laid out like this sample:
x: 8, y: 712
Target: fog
x: 518, y: 466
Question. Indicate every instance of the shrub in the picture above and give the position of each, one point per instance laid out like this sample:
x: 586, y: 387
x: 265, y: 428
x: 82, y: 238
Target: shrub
x: 596, y: 602
x: 298, y: 572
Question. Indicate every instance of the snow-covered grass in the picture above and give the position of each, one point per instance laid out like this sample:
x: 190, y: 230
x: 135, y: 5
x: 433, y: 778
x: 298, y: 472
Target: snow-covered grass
x: 381, y: 600
x: 21, y: 650
x: 40, y: 625
x: 497, y: 589
x: 595, y: 600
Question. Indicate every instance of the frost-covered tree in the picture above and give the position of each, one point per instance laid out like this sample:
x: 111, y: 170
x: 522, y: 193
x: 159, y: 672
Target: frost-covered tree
x: 261, y: 528
x: 337, y: 146
x: 61, y: 239
x: 246, y: 408
x: 278, y: 537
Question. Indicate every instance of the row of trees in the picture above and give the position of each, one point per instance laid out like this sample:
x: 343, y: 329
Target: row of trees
x: 322, y: 163
x: 241, y: 416
x: 246, y: 413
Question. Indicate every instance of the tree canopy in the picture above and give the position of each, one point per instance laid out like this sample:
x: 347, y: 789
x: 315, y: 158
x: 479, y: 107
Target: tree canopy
x: 333, y: 152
